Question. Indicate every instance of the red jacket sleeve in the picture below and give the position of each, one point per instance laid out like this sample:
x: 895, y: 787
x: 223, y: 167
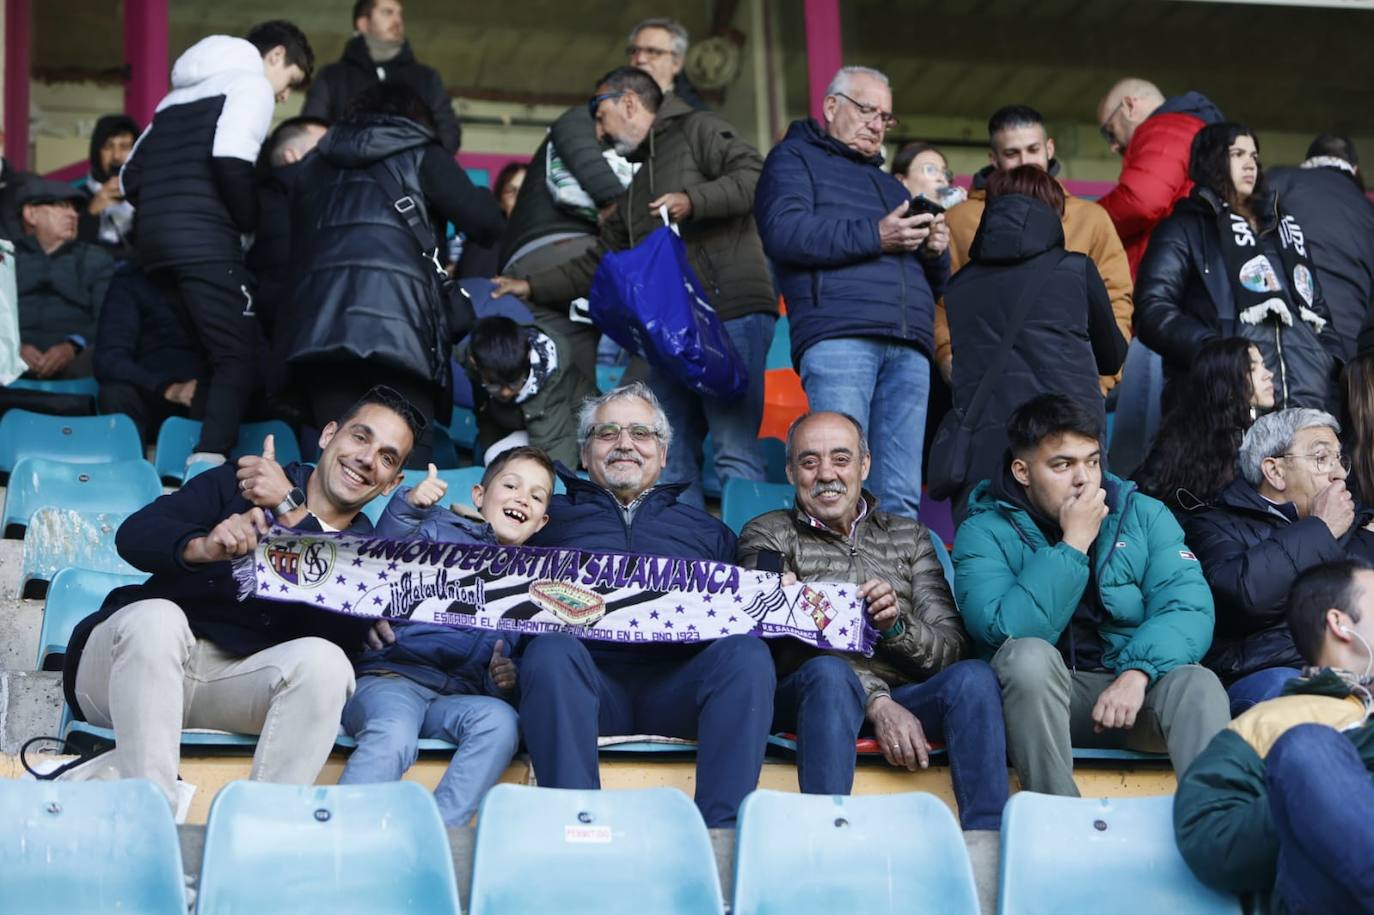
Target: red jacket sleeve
x: 1154, y: 174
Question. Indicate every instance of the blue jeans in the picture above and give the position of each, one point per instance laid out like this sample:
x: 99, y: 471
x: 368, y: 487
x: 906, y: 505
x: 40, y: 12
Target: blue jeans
x: 1252, y: 689
x: 388, y: 715
x: 823, y: 703
x: 721, y: 695
x: 1322, y: 801
x: 884, y: 385
x: 733, y: 424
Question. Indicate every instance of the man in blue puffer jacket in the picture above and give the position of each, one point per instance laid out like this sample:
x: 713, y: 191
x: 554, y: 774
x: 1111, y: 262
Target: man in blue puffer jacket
x: 860, y: 279
x: 443, y: 682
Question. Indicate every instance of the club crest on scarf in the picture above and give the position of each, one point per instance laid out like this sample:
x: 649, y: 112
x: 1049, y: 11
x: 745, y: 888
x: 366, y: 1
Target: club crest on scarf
x: 616, y: 597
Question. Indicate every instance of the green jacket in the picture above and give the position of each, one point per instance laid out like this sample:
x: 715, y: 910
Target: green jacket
x: 699, y: 154
x: 1222, y: 819
x: 549, y: 417
x: 1010, y: 582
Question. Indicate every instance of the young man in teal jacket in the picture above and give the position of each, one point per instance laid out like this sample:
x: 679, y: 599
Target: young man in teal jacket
x: 1092, y: 610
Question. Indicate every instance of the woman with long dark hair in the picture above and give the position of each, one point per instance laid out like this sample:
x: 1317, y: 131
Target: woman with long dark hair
x: 1229, y: 262
x: 1194, y: 453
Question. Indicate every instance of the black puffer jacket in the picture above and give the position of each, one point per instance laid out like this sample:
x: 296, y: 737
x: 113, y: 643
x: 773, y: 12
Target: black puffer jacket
x: 363, y: 290
x: 336, y: 85
x: 1183, y: 299
x: 1251, y: 552
x: 536, y: 215
x: 1338, y: 220
x: 1069, y: 338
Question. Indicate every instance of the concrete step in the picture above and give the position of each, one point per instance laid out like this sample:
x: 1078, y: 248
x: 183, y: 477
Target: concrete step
x: 11, y: 567
x: 20, y: 621
x: 30, y: 706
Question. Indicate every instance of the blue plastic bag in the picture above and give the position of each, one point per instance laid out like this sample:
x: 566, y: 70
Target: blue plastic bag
x: 649, y: 301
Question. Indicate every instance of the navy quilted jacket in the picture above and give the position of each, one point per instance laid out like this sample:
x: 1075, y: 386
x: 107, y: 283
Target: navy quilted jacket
x: 818, y: 204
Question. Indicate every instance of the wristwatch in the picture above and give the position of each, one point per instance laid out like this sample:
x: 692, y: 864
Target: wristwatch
x: 294, y: 500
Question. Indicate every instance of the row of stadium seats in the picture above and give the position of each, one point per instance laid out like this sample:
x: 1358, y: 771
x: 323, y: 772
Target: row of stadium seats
x: 112, y: 846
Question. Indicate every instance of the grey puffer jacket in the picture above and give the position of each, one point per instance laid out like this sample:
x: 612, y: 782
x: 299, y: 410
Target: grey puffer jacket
x: 893, y: 548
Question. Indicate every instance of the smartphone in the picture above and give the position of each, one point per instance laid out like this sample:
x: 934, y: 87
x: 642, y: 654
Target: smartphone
x: 921, y: 205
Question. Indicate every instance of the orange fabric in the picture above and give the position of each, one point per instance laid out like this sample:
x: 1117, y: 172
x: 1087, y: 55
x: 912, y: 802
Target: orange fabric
x: 783, y: 401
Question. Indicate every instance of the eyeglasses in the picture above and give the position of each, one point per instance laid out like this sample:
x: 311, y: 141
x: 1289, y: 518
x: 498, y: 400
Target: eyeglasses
x: 634, y: 50
x: 869, y: 112
x: 1105, y: 128
x: 931, y: 170
x: 610, y: 432
x: 595, y: 101
x: 1325, y: 461
x: 497, y: 387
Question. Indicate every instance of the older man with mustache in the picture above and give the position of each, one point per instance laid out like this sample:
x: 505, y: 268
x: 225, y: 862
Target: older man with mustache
x: 718, y: 692
x: 915, y: 689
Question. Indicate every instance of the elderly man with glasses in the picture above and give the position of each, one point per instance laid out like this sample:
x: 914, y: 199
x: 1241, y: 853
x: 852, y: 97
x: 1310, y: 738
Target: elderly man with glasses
x: 859, y: 275
x: 719, y: 693
x: 658, y: 46
x: 1287, y: 511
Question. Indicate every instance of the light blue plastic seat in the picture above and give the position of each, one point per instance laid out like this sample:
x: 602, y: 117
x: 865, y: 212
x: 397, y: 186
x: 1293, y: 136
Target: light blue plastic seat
x: 946, y: 562
x: 121, y: 487
x: 780, y: 350
x: 341, y: 849
x: 82, y: 736
x: 462, y: 428
x: 177, y: 438
x: 1065, y: 854
x: 774, y: 459
x: 100, y: 846
x: 807, y: 854
x: 608, y: 376
x: 59, y: 538
x: 592, y: 853
x: 88, y: 387
x: 743, y: 500
x: 76, y: 439
x: 73, y: 595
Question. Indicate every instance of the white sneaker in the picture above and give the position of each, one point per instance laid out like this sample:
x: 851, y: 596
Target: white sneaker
x: 204, y: 457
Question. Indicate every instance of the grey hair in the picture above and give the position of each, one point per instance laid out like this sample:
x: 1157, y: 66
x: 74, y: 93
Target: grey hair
x: 671, y: 26
x: 796, y: 424
x: 1273, y: 434
x: 586, y: 417
x: 843, y: 76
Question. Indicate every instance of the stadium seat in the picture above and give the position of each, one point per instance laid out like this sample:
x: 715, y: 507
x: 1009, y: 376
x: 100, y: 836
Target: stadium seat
x: 177, y: 438
x: 938, y: 515
x: 58, y: 538
x: 340, y: 849
x: 774, y: 459
x: 121, y: 487
x: 75, y: 439
x: 783, y: 401
x: 780, y: 350
x: 942, y: 551
x: 744, y: 500
x: 876, y: 854
x: 592, y: 853
x: 197, y: 468
x: 608, y: 376
x: 462, y: 428
x: 87, y: 387
x: 73, y: 595
x: 1062, y: 854
x: 101, y: 846
x: 443, y: 450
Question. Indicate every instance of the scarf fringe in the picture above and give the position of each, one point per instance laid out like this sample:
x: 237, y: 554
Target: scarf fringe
x: 1276, y: 307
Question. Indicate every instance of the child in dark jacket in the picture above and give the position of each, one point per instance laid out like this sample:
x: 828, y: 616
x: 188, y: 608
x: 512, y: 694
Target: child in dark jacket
x: 429, y: 681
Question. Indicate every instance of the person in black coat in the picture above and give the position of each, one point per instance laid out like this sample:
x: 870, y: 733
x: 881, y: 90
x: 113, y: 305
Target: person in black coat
x: 1231, y: 262
x: 1288, y: 511
x: 146, y: 359
x: 370, y: 303
x: 1069, y: 337
x: 181, y: 649
x: 105, y: 217
x: 1326, y: 195
x: 379, y: 52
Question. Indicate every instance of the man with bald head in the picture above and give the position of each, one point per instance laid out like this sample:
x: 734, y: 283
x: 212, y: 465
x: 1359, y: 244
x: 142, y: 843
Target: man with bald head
x: 859, y: 275
x: 1154, y: 137
x: 914, y: 689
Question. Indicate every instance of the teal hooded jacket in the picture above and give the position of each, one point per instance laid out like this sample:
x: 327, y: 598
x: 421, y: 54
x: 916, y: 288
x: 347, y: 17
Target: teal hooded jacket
x: 1011, y: 582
